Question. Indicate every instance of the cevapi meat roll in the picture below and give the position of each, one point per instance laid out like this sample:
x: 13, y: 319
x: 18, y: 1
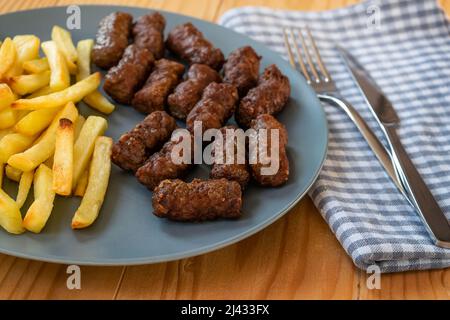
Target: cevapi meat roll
x: 266, y: 121
x: 123, y: 80
x: 187, y: 42
x: 112, y: 39
x: 235, y: 168
x: 269, y: 97
x: 198, y: 200
x: 164, y: 77
x: 161, y: 165
x: 148, y: 32
x: 216, y: 106
x: 133, y: 148
x: 242, y: 69
x: 189, y: 92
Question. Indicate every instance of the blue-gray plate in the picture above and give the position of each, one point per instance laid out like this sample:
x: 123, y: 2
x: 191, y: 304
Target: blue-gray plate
x: 126, y: 232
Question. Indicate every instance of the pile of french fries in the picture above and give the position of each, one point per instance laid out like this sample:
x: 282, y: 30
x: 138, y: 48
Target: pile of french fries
x: 44, y: 141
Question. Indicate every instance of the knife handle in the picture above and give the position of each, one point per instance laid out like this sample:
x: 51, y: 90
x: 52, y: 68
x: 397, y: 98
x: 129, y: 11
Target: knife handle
x: 372, y: 140
x: 427, y: 206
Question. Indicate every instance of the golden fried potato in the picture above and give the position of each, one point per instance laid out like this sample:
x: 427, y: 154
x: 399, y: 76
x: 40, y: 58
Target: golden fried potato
x: 14, y: 143
x: 45, y: 146
x: 84, y: 48
x: 60, y: 78
x: 84, y: 146
x: 98, y: 102
x: 2, y: 170
x: 24, y: 187
x: 40, y: 210
x: 80, y: 189
x: 8, y: 55
x: 63, y: 40
x: 10, y: 217
x: 74, y: 94
x: 63, y: 158
x: 27, y: 48
x: 8, y: 118
x: 36, y: 121
x: 25, y: 84
x: 13, y: 174
x: 78, y: 125
x: 6, y: 96
x: 98, y: 181
x: 36, y: 66
x: 41, y: 92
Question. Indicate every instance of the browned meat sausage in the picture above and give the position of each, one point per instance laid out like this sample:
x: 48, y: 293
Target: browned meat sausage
x: 189, y: 92
x: 266, y: 121
x: 159, y: 84
x: 216, y: 106
x: 148, y: 32
x: 242, y: 69
x: 134, y: 147
x: 112, y: 39
x: 187, y: 42
x: 198, y: 200
x: 161, y: 166
x: 237, y: 170
x: 123, y: 80
x: 270, y: 96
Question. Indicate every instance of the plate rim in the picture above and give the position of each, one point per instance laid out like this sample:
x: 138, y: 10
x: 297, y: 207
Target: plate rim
x: 204, y: 249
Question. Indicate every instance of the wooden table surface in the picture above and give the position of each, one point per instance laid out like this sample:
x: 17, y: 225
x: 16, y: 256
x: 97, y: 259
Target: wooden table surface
x: 295, y: 258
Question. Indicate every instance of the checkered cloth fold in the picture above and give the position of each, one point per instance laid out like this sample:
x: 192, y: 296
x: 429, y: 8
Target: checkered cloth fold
x: 405, y: 45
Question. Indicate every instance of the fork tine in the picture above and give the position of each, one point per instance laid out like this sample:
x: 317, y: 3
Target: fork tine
x: 308, y: 56
x: 300, y: 58
x: 288, y: 48
x: 317, y: 55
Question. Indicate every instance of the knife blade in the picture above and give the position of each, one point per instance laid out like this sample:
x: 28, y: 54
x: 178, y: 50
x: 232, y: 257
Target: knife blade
x: 415, y: 188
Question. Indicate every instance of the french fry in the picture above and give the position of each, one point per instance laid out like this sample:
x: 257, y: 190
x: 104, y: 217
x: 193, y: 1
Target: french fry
x: 36, y: 66
x: 27, y: 48
x: 40, y: 210
x: 78, y: 125
x: 84, y: 145
x: 13, y: 174
x: 63, y: 40
x: 10, y: 217
x: 60, y: 78
x: 95, y: 99
x: 2, y: 170
x: 98, y: 102
x: 36, y: 121
x: 41, y: 92
x: 80, y: 189
x: 8, y: 118
x: 84, y: 48
x: 99, y: 174
x: 6, y: 96
x: 14, y: 143
x: 29, y: 83
x: 24, y: 187
x: 49, y: 162
x: 8, y: 56
x: 45, y: 146
x: 5, y: 132
x: 74, y: 93
x: 63, y: 158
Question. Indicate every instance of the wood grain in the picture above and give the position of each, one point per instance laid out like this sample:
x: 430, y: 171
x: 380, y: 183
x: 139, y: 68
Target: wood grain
x: 295, y: 258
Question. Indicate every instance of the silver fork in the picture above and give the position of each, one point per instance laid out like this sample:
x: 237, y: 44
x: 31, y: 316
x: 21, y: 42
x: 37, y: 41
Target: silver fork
x: 320, y: 80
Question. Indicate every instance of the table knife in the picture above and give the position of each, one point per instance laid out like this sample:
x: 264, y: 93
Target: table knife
x: 414, y: 186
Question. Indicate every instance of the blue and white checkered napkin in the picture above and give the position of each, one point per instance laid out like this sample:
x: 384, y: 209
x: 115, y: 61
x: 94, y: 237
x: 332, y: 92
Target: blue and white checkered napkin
x: 405, y: 45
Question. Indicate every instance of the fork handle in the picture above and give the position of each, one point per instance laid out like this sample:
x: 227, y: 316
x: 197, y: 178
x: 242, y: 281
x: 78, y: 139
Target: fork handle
x: 377, y: 147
